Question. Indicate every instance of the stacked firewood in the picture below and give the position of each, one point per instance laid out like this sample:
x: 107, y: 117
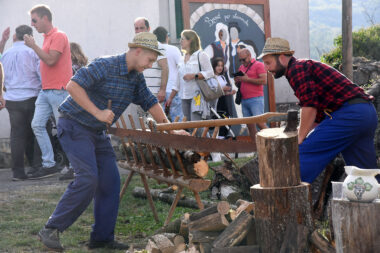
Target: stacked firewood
x: 218, y: 228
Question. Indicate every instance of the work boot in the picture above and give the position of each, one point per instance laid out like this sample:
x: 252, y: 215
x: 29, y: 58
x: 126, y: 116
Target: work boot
x: 32, y: 170
x: 107, y: 245
x: 44, y: 172
x: 50, y: 238
x: 19, y: 177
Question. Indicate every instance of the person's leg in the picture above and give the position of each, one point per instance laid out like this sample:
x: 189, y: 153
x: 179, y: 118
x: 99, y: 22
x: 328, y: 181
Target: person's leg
x: 18, y: 136
x: 55, y: 99
x: 79, y: 145
x: 331, y: 137
x: 106, y: 200
x: 186, y: 108
x: 175, y: 107
x: 32, y: 150
x: 256, y: 105
x: 246, y: 109
x: 42, y: 113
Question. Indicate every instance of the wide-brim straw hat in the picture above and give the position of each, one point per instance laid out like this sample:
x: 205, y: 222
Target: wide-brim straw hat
x: 145, y: 40
x: 276, y: 46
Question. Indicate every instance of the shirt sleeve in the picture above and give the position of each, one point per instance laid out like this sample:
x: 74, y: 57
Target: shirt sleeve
x: 260, y: 69
x: 205, y: 62
x: 143, y: 96
x: 59, y: 42
x: 92, y: 75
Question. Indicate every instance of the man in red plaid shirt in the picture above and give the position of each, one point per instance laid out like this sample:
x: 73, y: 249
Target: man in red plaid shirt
x: 336, y: 115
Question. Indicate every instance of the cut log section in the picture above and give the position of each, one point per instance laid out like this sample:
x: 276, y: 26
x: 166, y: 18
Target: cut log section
x: 163, y: 243
x: 278, y: 158
x: 196, y: 236
x: 356, y: 226
x: 275, y: 208
x: 235, y: 232
x: 222, y: 208
x: 237, y: 249
x: 212, y: 222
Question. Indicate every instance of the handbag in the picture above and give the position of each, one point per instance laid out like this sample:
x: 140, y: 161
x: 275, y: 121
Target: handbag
x: 210, y: 88
x: 238, y: 97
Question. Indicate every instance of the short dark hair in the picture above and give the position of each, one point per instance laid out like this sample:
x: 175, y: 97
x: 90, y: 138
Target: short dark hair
x: 161, y: 34
x: 42, y: 10
x: 22, y: 30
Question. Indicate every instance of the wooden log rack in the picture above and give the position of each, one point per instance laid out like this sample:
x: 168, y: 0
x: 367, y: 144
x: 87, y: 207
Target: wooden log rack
x: 157, y: 140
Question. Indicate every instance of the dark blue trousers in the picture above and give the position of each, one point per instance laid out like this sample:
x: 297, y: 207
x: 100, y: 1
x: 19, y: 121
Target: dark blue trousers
x: 96, y: 178
x: 350, y: 131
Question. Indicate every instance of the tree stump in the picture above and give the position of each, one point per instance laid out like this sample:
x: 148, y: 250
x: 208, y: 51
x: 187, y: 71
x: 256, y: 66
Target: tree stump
x: 356, y: 226
x: 275, y: 208
x: 278, y: 158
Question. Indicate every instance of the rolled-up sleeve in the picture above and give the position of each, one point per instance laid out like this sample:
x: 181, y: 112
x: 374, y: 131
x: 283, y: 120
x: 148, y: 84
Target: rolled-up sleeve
x: 207, y: 71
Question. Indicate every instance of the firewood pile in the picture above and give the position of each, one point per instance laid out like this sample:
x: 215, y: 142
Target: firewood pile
x: 218, y: 228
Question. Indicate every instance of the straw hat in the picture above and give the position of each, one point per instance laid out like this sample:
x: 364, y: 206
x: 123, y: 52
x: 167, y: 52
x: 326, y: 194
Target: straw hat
x: 145, y: 40
x: 276, y: 46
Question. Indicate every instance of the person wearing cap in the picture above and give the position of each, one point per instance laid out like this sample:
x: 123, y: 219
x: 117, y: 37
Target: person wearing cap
x: 337, y: 116
x: 81, y: 132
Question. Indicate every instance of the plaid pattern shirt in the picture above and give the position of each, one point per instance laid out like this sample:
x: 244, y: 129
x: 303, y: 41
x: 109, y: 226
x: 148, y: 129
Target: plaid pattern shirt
x: 320, y: 86
x: 107, y: 78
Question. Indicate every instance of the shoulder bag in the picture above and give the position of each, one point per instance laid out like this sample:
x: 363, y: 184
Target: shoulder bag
x: 210, y: 88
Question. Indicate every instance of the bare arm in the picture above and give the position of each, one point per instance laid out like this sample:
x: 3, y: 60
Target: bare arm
x: 4, y: 39
x: 80, y: 96
x: 160, y: 117
x: 50, y: 58
x: 2, y: 100
x: 163, y: 63
x: 307, y: 122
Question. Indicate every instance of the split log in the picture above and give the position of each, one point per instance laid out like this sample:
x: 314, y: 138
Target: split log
x: 225, y: 171
x: 205, y: 247
x: 222, y: 208
x: 212, y: 222
x: 180, y: 248
x: 152, y: 247
x: 295, y: 239
x: 356, y: 226
x: 235, y: 232
x: 139, y: 192
x: 321, y: 243
x: 237, y: 249
x: 230, y: 193
x: 184, y: 228
x: 251, y: 238
x: 278, y: 157
x: 251, y: 171
x: 196, y: 236
x: 172, y: 227
x: 163, y: 243
x: 275, y: 208
x: 244, y: 206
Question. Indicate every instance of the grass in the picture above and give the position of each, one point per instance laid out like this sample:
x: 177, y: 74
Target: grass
x: 24, y: 213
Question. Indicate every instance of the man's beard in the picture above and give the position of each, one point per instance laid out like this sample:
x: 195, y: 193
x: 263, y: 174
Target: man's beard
x: 280, y: 70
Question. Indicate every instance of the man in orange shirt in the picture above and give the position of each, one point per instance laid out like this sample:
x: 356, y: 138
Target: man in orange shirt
x: 56, y: 72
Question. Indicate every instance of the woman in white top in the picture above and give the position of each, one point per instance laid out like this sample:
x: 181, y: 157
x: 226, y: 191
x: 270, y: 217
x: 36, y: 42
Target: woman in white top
x: 188, y: 72
x: 218, y: 67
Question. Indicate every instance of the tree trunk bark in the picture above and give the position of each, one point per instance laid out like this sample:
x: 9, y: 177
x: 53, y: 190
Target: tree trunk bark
x: 278, y: 158
x: 277, y: 207
x: 356, y: 226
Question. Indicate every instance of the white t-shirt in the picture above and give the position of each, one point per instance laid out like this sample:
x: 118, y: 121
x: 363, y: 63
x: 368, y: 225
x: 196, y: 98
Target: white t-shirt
x: 187, y: 89
x: 222, y: 81
x: 173, y: 55
x: 153, y: 75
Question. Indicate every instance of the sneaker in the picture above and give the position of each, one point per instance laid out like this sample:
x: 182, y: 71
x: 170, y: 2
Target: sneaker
x: 107, y: 245
x: 19, y: 177
x: 50, y: 238
x: 32, y: 170
x: 68, y: 175
x: 44, y: 172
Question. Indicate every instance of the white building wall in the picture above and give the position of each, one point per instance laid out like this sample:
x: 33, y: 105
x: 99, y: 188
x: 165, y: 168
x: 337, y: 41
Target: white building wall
x: 290, y: 20
x: 105, y: 27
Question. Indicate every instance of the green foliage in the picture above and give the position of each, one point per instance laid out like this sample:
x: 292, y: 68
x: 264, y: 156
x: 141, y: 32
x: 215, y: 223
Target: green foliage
x: 365, y: 43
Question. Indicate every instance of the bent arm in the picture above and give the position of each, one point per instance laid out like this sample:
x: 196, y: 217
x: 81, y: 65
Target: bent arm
x: 49, y: 58
x: 81, y: 98
x: 163, y: 63
x: 307, y: 122
x: 262, y: 80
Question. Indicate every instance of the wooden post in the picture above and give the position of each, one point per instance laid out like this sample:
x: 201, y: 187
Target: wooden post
x: 347, y: 68
x: 356, y: 226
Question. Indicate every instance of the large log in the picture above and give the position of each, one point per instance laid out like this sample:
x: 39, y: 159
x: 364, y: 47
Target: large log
x: 278, y: 157
x: 212, y: 222
x: 275, y: 208
x: 237, y: 249
x: 139, y: 192
x: 295, y: 239
x: 197, y: 236
x: 235, y: 232
x: 356, y: 226
x: 222, y: 208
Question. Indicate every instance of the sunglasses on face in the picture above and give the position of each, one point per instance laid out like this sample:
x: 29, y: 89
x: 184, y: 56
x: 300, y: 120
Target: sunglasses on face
x: 242, y: 59
x: 34, y: 20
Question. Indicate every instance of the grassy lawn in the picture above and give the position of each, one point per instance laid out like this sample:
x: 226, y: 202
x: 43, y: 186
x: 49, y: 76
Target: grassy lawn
x: 24, y: 214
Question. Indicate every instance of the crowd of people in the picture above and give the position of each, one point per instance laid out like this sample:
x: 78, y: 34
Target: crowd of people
x: 56, y: 80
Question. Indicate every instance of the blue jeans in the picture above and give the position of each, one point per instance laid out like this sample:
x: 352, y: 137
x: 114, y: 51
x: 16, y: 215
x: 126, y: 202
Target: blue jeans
x: 351, y: 132
x: 252, y: 106
x: 175, y: 107
x: 96, y: 178
x: 47, y: 104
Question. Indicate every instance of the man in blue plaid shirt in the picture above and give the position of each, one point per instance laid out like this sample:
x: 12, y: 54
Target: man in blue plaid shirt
x: 81, y: 132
